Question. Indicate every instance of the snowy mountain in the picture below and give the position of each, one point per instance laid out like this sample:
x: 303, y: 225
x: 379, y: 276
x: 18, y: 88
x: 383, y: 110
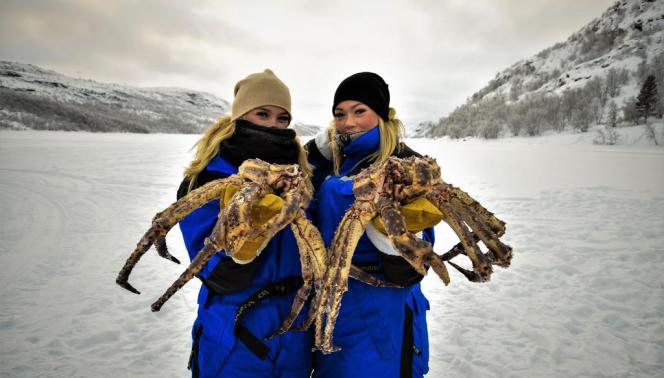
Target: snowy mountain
x: 616, y: 48
x: 305, y: 130
x: 34, y: 98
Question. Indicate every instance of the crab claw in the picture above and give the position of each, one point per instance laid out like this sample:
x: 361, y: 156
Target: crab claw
x: 162, y: 250
x: 168, y: 256
x: 127, y: 286
x: 156, y: 306
x: 326, y: 349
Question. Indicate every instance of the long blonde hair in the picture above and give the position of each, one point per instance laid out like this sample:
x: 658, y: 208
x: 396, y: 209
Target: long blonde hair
x: 391, y: 133
x: 208, y: 147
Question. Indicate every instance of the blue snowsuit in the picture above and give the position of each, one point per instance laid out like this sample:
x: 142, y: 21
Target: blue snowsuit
x: 217, y: 350
x: 382, y: 331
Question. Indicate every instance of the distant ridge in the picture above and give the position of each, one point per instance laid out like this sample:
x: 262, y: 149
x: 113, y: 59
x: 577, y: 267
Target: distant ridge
x: 34, y: 98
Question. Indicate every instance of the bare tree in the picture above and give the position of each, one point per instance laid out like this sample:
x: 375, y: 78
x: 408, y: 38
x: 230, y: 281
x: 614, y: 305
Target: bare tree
x: 516, y: 89
x: 534, y: 120
x: 608, y: 134
x: 612, y: 83
x: 582, y: 118
x: 630, y: 112
x: 595, y: 89
x: 568, y: 104
x: 489, y: 129
x: 612, y: 117
x: 650, y: 132
x: 595, y: 110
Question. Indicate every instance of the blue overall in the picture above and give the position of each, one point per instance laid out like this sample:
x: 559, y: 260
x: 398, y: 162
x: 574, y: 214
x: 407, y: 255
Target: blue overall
x: 370, y: 327
x: 216, y: 350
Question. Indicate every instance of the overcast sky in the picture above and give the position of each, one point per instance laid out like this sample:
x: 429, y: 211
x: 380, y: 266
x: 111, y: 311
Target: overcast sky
x: 433, y: 54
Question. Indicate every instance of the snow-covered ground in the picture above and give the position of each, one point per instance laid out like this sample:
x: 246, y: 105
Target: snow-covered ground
x: 584, y: 295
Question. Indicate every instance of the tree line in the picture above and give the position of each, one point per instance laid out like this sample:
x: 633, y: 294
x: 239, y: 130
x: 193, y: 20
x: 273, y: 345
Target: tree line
x: 575, y: 108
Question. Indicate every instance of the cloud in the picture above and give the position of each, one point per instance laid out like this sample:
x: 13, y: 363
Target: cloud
x: 121, y: 41
x: 434, y: 54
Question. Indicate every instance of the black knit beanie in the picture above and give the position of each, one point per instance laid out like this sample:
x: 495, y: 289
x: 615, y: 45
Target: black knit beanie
x: 365, y: 87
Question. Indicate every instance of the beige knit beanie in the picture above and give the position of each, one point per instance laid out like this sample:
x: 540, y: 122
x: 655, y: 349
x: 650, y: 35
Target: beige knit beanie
x: 259, y: 89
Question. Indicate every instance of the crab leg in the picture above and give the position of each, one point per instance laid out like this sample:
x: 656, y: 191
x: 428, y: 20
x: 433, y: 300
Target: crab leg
x: 364, y: 277
x: 411, y: 248
x: 143, y: 245
x: 312, y: 241
x: 438, y: 266
x: 162, y: 249
x: 318, y: 304
x: 500, y: 254
x: 309, y: 243
x: 348, y: 233
x: 496, y: 224
x: 456, y: 250
x: 202, y: 257
x: 293, y: 202
x: 358, y: 275
x: 165, y: 220
x: 354, y: 273
x: 415, y: 250
x: 481, y: 264
x: 213, y: 243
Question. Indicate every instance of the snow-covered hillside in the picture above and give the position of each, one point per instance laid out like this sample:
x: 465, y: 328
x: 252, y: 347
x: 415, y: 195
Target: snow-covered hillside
x: 627, y: 35
x: 34, y: 98
x: 304, y: 129
x: 584, y: 296
x: 621, y: 37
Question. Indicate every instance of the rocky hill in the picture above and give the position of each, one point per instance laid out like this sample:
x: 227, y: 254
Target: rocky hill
x: 606, y: 60
x: 34, y: 98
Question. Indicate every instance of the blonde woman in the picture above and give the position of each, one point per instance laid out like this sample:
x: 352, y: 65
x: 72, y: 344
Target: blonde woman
x: 382, y: 332
x: 232, y: 322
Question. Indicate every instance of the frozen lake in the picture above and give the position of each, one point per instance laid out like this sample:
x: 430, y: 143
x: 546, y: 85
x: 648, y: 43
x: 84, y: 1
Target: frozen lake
x: 584, y: 296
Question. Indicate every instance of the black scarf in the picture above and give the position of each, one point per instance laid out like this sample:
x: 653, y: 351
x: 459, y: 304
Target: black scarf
x: 251, y: 141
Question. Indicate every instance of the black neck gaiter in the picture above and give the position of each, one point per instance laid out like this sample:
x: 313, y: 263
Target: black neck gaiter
x: 251, y: 141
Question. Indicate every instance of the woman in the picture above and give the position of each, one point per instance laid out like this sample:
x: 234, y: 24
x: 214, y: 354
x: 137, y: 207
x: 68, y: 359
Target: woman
x: 227, y: 341
x: 382, y: 332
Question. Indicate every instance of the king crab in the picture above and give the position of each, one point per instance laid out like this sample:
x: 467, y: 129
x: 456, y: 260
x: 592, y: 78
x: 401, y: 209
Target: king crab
x: 381, y: 190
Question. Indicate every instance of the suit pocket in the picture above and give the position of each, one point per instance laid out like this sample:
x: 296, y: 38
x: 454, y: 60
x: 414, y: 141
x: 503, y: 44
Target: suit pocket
x: 420, y: 335
x: 216, y: 340
x: 196, y: 333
